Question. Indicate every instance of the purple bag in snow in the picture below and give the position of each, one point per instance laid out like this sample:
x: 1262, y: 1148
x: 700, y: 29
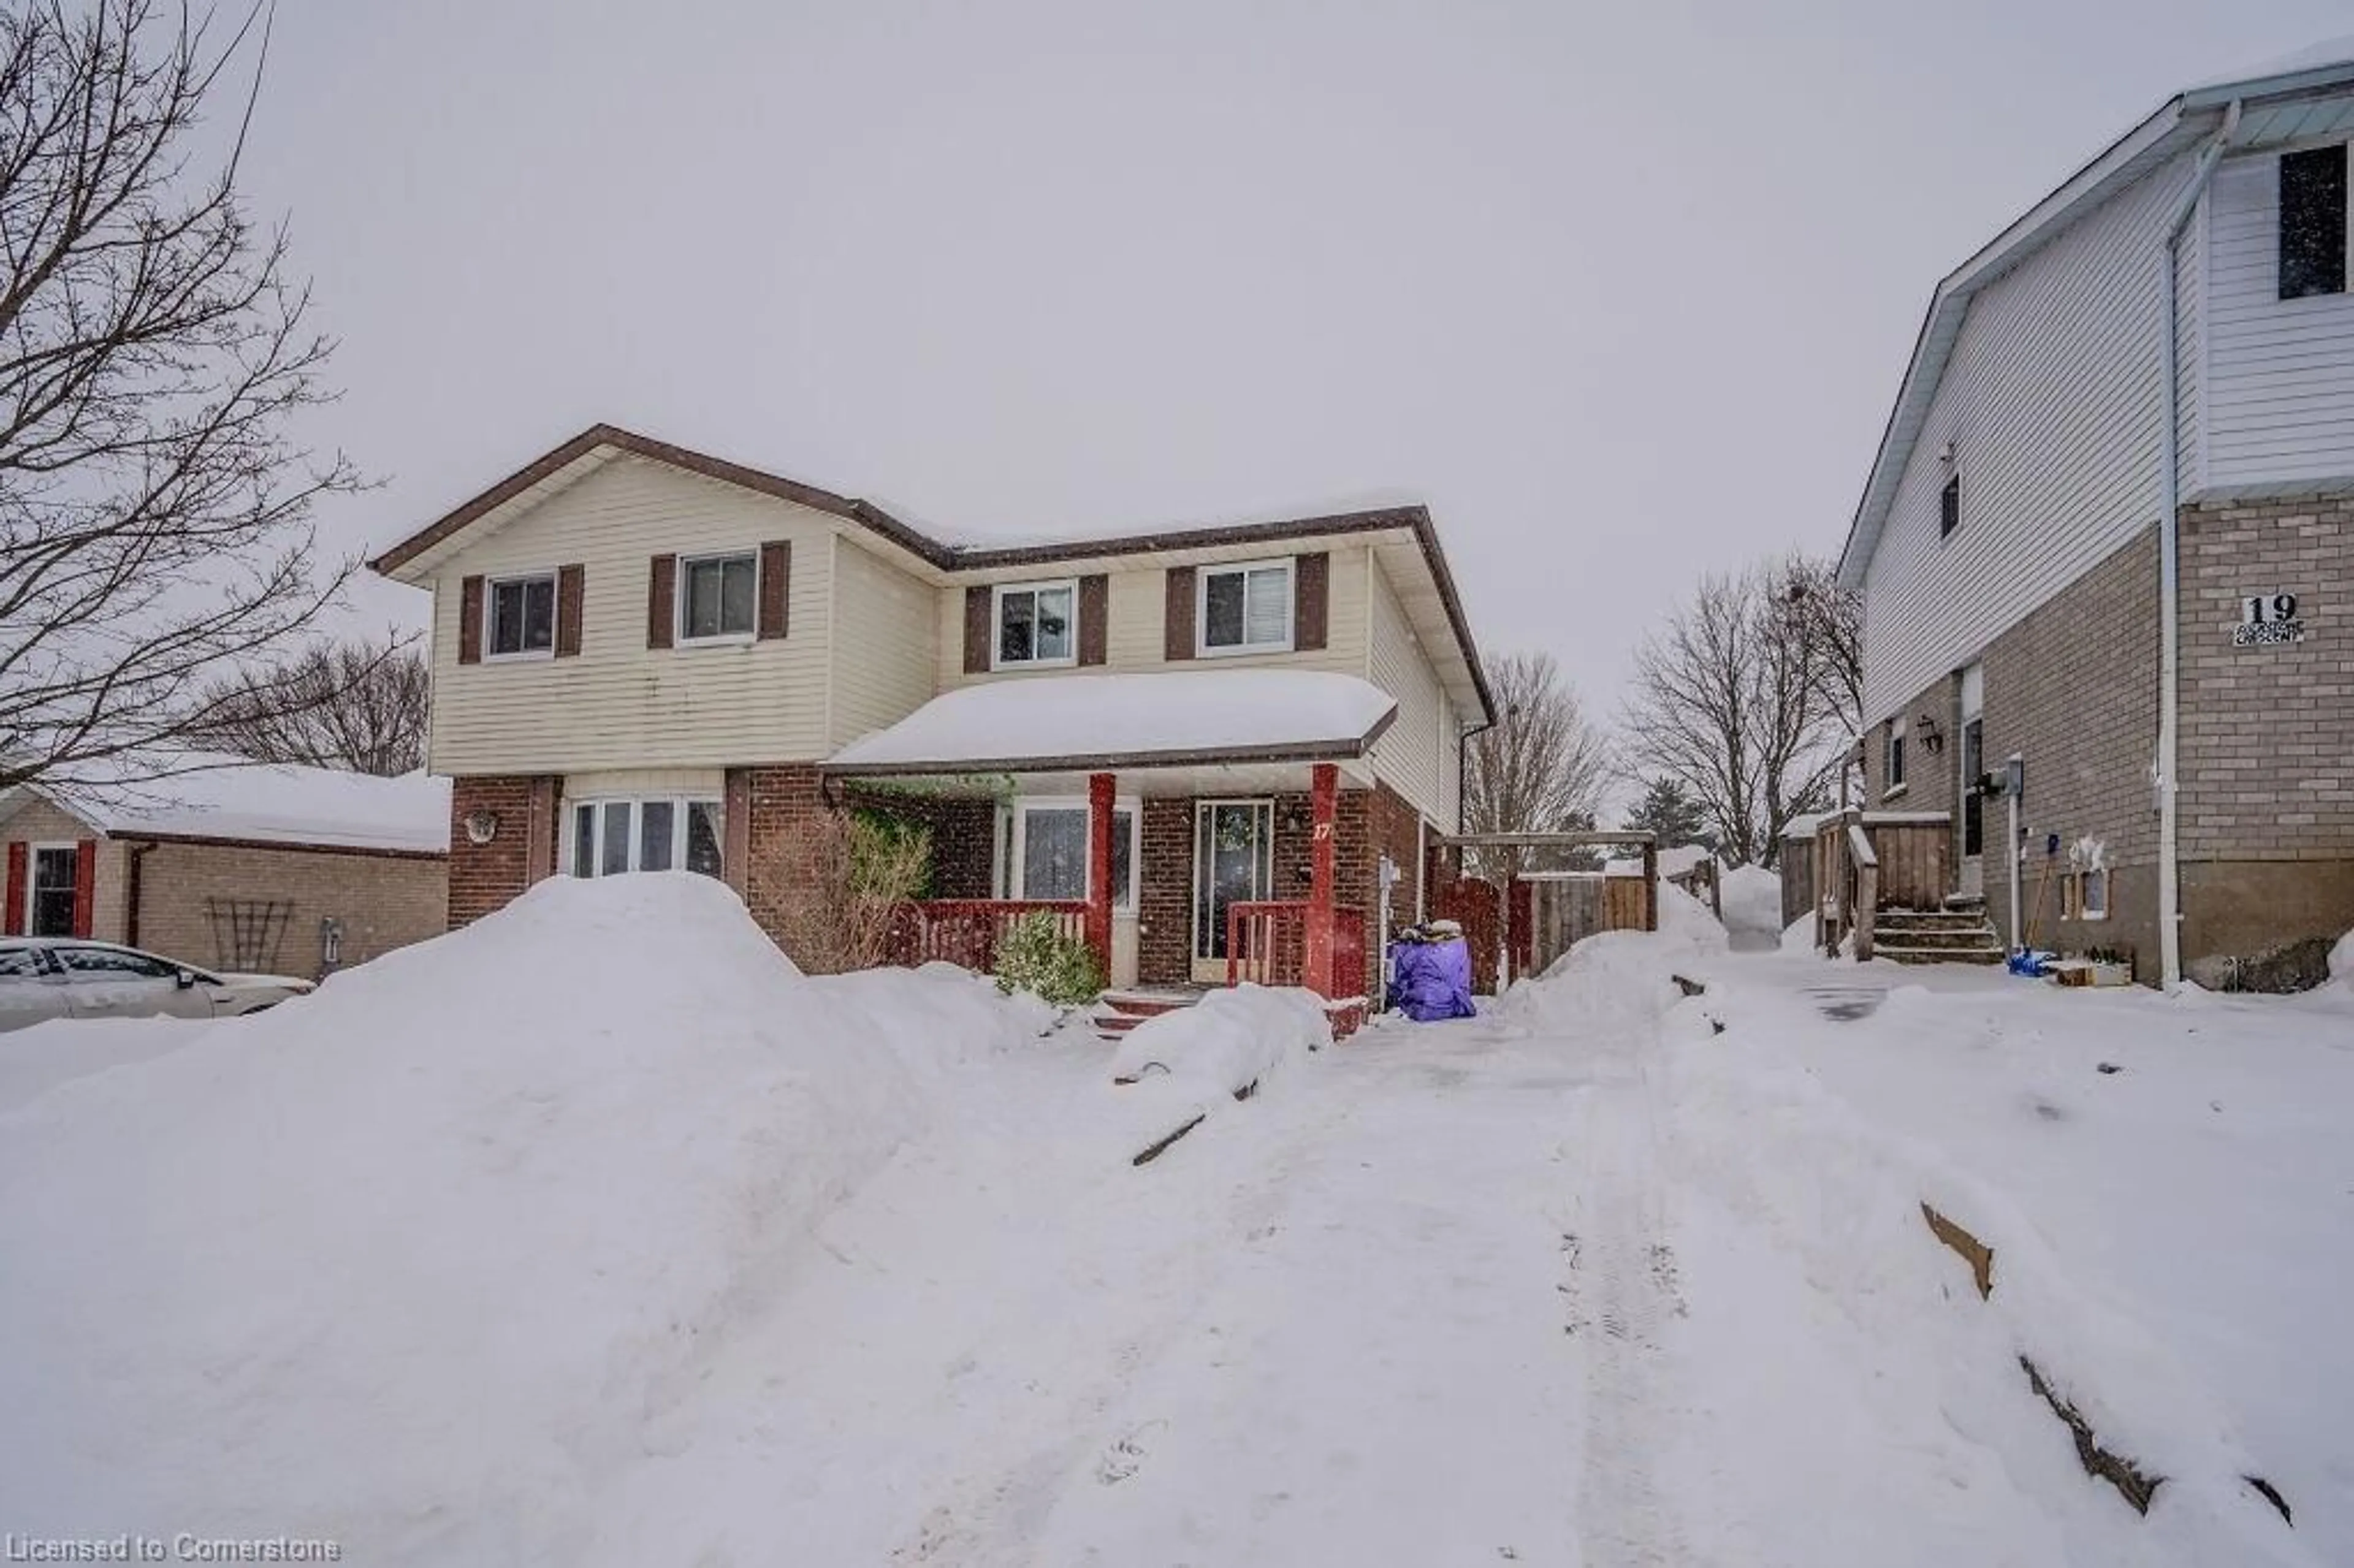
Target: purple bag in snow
x: 1431, y: 981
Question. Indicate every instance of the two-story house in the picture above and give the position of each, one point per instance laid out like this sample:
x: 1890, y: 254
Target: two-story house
x: 2109, y: 535
x: 646, y: 658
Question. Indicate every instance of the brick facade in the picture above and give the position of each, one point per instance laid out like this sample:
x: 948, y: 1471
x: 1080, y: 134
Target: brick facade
x: 2267, y: 746
x: 521, y: 849
x: 778, y: 804
x: 1164, y: 896
x: 2266, y: 794
x: 380, y: 902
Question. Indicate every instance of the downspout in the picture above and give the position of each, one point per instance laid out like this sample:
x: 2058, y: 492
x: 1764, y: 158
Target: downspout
x: 131, y: 882
x: 2169, y: 565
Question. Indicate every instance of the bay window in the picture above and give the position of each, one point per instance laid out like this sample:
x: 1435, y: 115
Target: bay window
x: 614, y: 836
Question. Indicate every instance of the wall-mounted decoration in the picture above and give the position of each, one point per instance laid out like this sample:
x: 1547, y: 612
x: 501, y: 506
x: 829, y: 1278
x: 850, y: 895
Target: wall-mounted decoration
x: 482, y: 827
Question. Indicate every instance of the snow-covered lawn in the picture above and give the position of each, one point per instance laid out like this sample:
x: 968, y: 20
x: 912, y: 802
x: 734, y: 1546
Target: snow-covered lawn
x: 596, y: 1234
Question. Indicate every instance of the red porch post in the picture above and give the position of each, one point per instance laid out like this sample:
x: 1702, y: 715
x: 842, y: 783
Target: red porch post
x: 1323, y: 801
x: 1100, y: 792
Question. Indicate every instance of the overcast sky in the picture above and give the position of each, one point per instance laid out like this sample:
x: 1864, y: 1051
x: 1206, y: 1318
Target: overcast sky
x: 1623, y: 293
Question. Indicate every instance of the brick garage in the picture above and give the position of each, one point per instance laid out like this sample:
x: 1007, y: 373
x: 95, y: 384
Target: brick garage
x: 237, y: 904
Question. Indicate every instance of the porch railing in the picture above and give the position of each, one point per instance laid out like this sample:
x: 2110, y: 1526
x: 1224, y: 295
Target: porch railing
x: 966, y: 931
x: 1865, y: 862
x: 1266, y: 944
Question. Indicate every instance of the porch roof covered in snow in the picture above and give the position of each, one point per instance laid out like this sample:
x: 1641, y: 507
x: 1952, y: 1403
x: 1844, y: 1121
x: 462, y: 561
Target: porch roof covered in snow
x: 1190, y: 719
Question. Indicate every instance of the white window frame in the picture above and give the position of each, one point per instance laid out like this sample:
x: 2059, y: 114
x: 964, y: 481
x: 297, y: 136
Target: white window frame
x: 33, y: 884
x: 2085, y: 908
x: 679, y: 806
x: 1893, y: 744
x: 1290, y: 564
x: 491, y: 585
x: 679, y: 637
x: 997, y: 660
x: 1012, y: 842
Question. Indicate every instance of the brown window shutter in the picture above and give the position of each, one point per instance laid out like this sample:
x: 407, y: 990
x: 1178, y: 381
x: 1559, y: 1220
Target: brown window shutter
x: 978, y: 602
x: 1312, y: 600
x: 736, y: 831
x: 661, y: 595
x: 571, y: 582
x: 85, y: 886
x: 776, y: 588
x: 19, y: 865
x: 1177, y: 633
x: 1095, y: 618
x: 470, y: 621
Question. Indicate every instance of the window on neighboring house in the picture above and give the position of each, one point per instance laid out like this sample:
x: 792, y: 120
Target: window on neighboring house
x: 612, y: 837
x: 2091, y: 890
x: 1047, y: 858
x: 51, y: 899
x: 1892, y: 748
x: 522, y: 614
x: 1246, y: 610
x: 1949, y: 508
x: 717, y: 597
x: 1037, y: 624
x: 2313, y: 222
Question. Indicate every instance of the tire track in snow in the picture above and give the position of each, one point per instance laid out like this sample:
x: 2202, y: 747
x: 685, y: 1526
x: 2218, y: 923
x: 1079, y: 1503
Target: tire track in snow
x: 1622, y: 1291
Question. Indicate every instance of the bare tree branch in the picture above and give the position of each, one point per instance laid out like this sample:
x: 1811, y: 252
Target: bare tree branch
x: 155, y: 535
x: 356, y: 706
x: 1748, y: 700
x: 1542, y: 767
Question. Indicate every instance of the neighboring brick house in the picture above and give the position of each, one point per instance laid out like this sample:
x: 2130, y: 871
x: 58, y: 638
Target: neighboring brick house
x: 645, y: 657
x: 2147, y: 380
x: 234, y: 866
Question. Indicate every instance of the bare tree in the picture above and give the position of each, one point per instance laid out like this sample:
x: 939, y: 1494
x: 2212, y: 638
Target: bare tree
x: 155, y: 535
x: 356, y: 705
x: 1542, y: 767
x: 1739, y: 700
x: 843, y: 880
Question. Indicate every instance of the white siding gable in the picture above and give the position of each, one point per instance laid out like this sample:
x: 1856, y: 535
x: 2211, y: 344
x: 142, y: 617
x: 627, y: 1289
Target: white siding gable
x: 620, y: 704
x: 2051, y: 402
x: 1408, y: 757
x: 2280, y: 372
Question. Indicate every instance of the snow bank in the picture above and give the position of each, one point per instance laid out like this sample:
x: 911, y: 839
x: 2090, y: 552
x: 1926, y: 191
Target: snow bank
x: 1229, y: 1040
x: 1799, y: 936
x: 2341, y: 960
x: 423, y: 1252
x: 1752, y: 897
x: 35, y: 1060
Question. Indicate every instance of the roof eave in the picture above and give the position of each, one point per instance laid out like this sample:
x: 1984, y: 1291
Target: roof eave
x: 1336, y: 751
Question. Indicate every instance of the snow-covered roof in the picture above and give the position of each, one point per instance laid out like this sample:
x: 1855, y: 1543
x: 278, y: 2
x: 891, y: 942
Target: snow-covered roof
x: 208, y: 796
x: 1042, y: 724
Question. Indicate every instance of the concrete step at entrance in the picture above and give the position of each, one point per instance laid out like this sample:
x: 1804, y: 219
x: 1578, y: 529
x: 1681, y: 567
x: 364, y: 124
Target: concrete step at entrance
x: 1945, y: 938
x: 1988, y: 955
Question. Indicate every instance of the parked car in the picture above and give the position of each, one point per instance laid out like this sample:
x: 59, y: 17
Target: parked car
x: 43, y: 978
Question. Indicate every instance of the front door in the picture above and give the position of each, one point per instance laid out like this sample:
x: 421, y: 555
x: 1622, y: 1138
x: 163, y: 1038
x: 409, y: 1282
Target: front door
x: 1234, y: 863
x: 1972, y: 767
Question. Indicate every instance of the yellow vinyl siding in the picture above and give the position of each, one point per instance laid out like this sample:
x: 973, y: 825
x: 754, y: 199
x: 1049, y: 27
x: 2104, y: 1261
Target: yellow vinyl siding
x: 886, y: 655
x: 1138, y: 596
x: 38, y: 822
x: 1406, y: 757
x: 620, y: 704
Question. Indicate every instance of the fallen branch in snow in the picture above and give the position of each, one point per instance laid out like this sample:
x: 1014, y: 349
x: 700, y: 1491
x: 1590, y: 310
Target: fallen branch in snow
x: 2118, y: 1471
x: 1151, y: 1151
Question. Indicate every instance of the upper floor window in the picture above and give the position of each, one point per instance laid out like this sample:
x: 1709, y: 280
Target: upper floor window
x: 1037, y: 625
x: 522, y: 615
x: 1893, y: 753
x: 1247, y: 609
x: 717, y: 596
x: 2313, y: 222
x: 1949, y: 508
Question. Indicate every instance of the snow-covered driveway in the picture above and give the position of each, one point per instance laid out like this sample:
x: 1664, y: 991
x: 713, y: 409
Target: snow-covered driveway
x: 758, y: 1269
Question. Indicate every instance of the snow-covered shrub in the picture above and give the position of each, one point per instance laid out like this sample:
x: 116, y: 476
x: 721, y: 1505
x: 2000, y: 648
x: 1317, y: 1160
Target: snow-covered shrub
x: 1039, y: 957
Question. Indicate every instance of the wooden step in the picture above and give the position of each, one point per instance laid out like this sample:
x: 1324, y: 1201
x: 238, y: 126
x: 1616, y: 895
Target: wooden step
x: 1908, y: 955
